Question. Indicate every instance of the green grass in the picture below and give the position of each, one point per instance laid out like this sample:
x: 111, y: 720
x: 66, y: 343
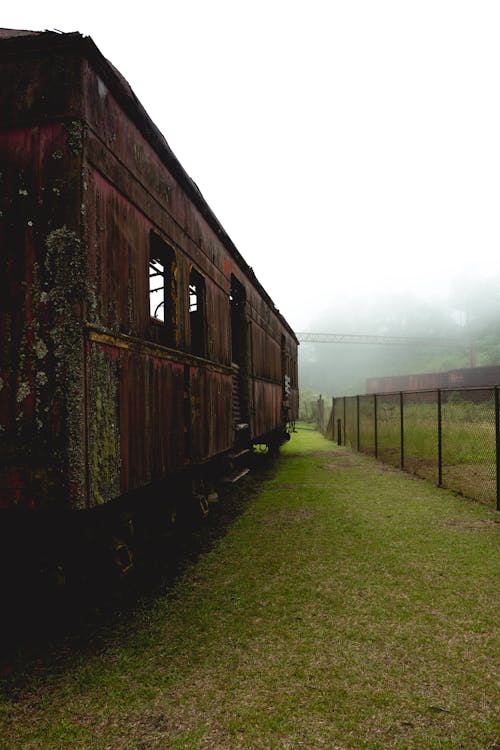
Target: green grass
x: 468, y: 431
x: 350, y: 606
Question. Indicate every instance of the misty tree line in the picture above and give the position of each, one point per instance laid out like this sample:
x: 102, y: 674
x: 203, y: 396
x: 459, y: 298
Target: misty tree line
x: 470, y: 313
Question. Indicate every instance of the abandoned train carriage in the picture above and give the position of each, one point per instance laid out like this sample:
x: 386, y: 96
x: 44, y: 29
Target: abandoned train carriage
x: 462, y: 378
x: 136, y: 341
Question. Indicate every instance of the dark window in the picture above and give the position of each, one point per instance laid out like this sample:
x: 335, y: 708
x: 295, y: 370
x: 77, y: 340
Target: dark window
x: 163, y: 289
x: 197, y: 315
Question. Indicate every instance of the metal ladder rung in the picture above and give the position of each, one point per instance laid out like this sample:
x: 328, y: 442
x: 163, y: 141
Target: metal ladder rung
x: 233, y: 478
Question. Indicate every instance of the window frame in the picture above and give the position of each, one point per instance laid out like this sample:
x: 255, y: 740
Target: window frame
x: 197, y: 295
x: 163, y: 261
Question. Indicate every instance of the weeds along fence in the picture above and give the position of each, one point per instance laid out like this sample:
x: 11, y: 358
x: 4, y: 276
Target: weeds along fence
x: 449, y: 436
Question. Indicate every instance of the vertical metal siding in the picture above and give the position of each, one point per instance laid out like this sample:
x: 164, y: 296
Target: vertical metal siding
x: 39, y: 199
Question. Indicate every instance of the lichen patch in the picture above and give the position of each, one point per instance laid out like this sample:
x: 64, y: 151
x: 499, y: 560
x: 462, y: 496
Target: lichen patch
x: 104, y: 458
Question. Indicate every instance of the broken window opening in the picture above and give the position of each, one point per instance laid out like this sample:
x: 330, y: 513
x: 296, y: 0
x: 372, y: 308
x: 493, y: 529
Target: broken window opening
x: 193, y: 299
x: 163, y: 289
x: 197, y: 316
x: 157, y: 293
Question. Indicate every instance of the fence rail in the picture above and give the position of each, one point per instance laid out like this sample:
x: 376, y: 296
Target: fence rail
x: 449, y: 436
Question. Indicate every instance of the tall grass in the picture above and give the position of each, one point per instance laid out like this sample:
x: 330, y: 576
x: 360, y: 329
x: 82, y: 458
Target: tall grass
x: 468, y: 438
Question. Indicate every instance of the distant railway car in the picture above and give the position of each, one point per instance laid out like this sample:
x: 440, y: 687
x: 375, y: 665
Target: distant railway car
x: 137, y: 344
x: 466, y: 377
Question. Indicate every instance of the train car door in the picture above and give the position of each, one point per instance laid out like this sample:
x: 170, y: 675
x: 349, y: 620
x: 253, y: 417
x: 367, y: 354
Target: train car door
x: 239, y: 357
x: 285, y: 381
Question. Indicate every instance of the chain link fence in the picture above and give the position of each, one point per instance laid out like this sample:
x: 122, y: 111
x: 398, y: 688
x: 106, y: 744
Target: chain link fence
x: 448, y: 436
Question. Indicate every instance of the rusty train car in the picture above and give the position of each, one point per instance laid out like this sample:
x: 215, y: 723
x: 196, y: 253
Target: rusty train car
x: 465, y: 377
x: 138, y: 346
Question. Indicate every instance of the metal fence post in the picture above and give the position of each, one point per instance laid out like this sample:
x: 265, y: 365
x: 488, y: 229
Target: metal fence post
x: 345, y: 424
x: 333, y: 417
x: 440, y: 439
x: 375, y: 426
x: 358, y: 442
x: 402, y: 429
x: 339, y: 432
x: 321, y: 415
x: 497, y: 443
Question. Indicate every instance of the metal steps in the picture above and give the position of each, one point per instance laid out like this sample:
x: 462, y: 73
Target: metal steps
x: 236, y: 476
x: 236, y: 465
x: 238, y: 455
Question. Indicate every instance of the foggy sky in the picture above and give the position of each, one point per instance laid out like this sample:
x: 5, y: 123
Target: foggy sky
x: 346, y: 147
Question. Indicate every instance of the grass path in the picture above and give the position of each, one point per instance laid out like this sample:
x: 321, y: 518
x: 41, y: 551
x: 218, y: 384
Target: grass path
x: 350, y: 606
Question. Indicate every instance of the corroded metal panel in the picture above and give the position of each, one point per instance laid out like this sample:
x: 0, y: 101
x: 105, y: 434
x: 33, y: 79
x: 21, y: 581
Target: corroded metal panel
x: 266, y: 358
x: 219, y: 331
x: 117, y: 240
x: 267, y: 404
x: 136, y: 417
x: 211, y: 429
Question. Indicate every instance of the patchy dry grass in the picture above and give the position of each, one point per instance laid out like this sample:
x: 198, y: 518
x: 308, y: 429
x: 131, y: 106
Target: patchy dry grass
x: 350, y: 606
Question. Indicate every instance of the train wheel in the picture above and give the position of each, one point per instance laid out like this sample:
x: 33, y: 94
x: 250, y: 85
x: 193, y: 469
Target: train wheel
x: 122, y: 556
x: 200, y: 496
x: 203, y: 504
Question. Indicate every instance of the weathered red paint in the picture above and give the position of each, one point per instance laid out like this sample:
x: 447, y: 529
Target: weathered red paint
x: 92, y: 404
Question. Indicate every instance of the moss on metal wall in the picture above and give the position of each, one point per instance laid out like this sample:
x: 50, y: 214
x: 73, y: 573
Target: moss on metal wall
x: 104, y: 434
x: 75, y: 131
x: 65, y: 267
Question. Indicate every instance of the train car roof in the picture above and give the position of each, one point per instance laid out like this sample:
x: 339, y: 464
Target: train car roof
x: 15, y: 41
